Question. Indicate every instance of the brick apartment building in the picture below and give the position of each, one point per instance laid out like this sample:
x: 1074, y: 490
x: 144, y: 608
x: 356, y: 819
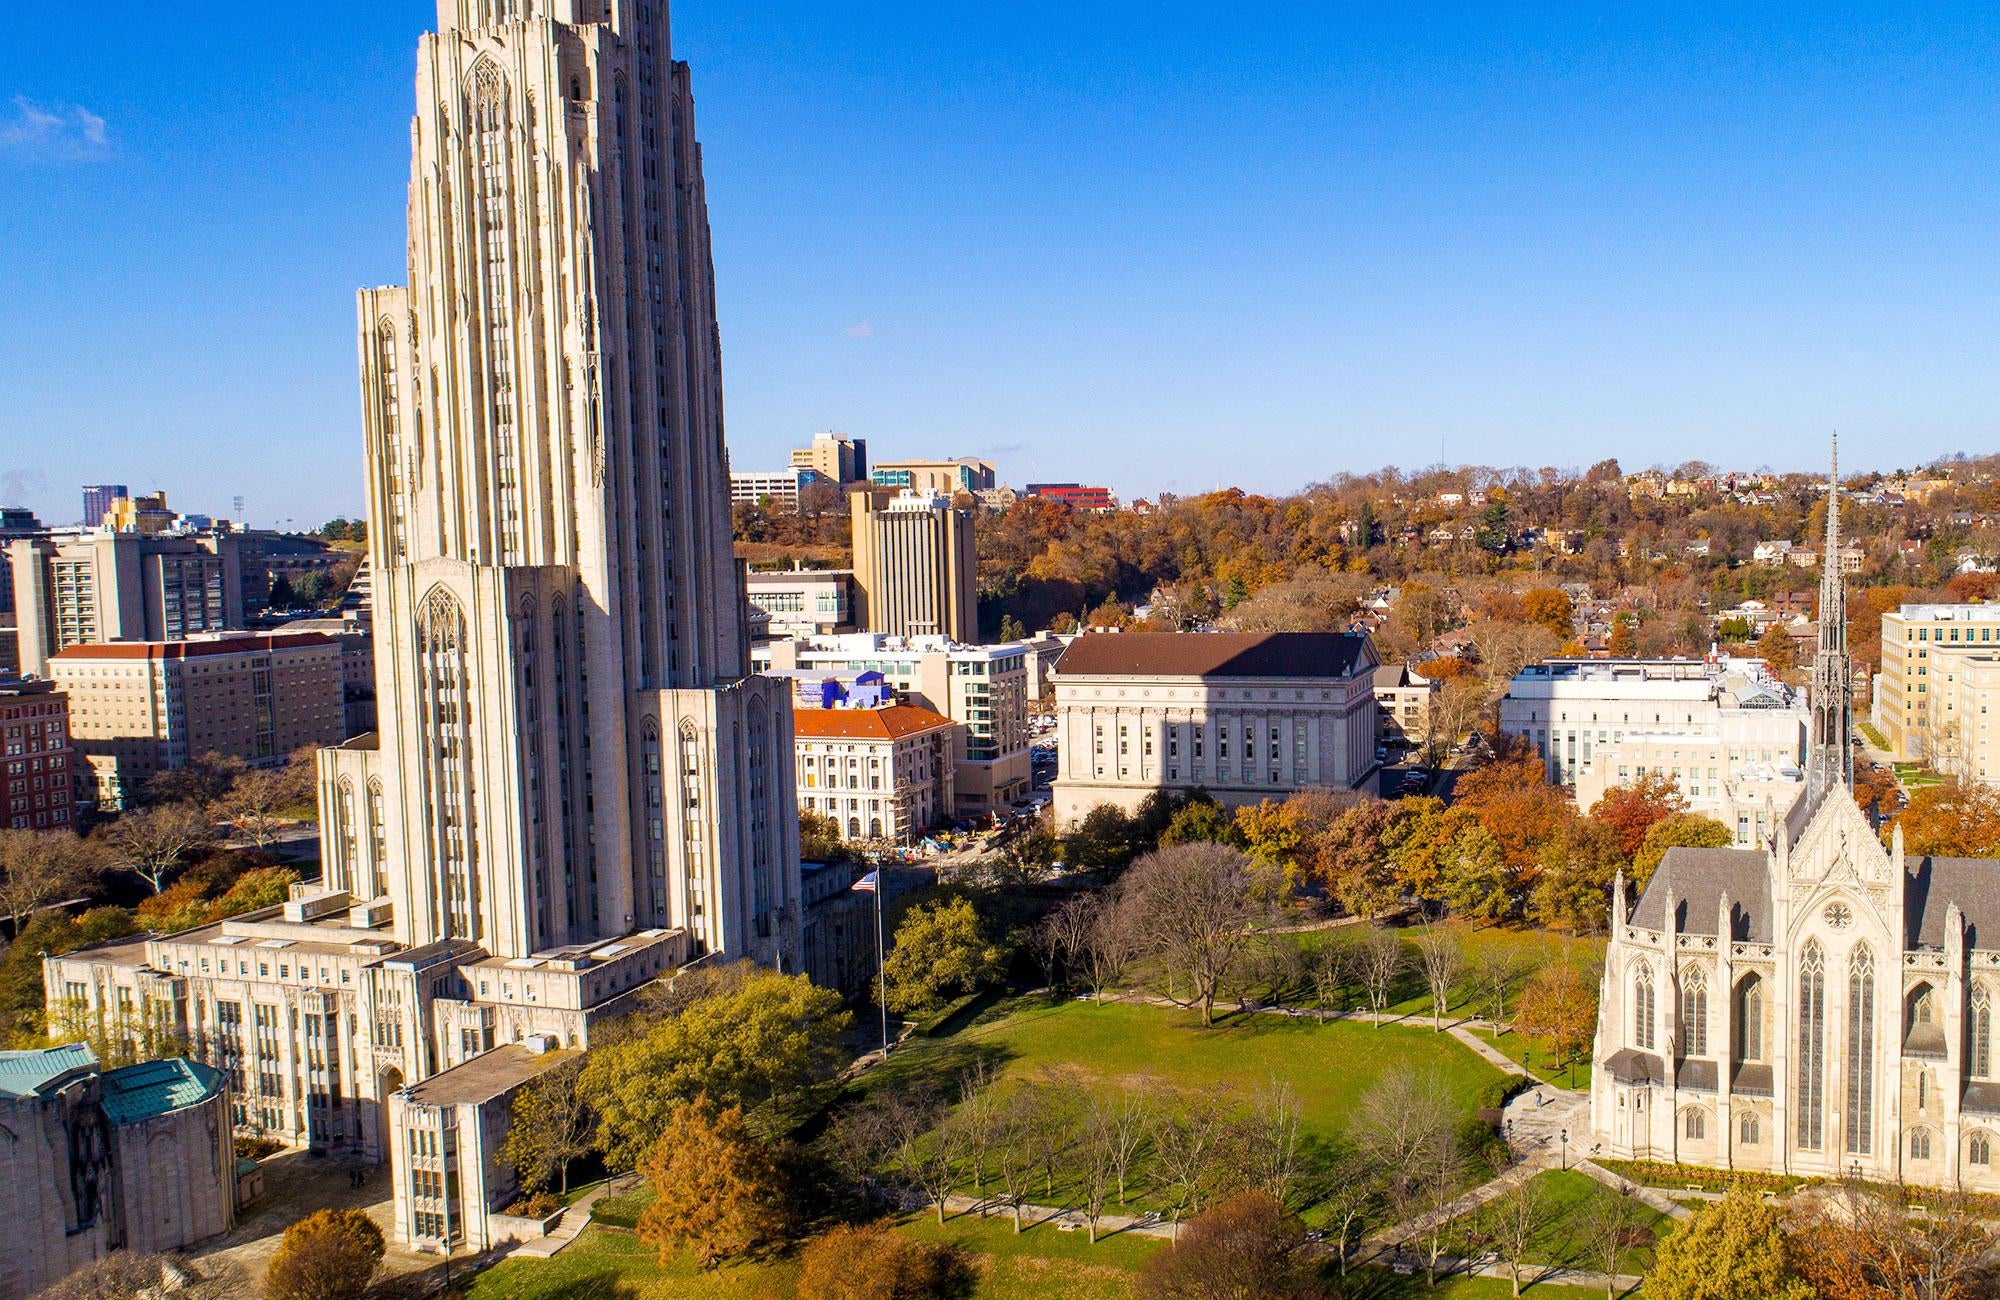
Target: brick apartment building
x: 36, y: 792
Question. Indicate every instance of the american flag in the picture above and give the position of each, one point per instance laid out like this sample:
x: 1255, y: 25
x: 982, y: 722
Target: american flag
x: 867, y: 884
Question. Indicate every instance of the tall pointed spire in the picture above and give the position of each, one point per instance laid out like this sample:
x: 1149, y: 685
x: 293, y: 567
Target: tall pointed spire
x: 1831, y: 761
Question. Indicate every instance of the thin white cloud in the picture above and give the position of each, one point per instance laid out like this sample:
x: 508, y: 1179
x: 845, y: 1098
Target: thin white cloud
x: 864, y: 330
x: 52, y: 132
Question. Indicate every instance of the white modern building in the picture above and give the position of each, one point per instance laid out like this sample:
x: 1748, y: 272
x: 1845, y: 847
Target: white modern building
x: 983, y: 688
x: 1903, y: 686
x: 803, y: 602
x: 1245, y: 716
x: 781, y: 487
x: 1730, y: 735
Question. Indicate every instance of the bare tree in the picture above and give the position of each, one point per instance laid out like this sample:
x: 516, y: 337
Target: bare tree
x: 258, y: 798
x: 1607, y: 1231
x: 155, y: 842
x: 1272, y: 1148
x: 1014, y: 1142
x: 1382, y: 961
x: 1352, y: 1190
x: 1330, y: 966
x: 1199, y: 911
x: 1499, y: 969
x: 911, y: 1130
x: 1279, y: 968
x: 1131, y: 1127
x: 1455, y: 710
x: 1517, y: 1220
x: 42, y: 867
x: 1442, y: 958
x: 1097, y: 1157
x: 1397, y: 1124
x: 1189, y: 1135
x: 1109, y: 947
x: 978, y: 1118
x: 1052, y: 1099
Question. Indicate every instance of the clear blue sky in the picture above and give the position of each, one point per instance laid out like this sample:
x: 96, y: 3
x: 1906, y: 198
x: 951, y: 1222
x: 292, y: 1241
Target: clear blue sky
x: 1152, y: 244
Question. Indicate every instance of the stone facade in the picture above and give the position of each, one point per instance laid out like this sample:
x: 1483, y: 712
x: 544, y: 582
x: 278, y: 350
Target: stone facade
x: 1244, y: 716
x: 93, y: 1161
x: 916, y: 572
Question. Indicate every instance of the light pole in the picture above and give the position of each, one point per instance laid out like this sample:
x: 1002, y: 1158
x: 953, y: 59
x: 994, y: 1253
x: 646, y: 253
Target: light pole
x: 881, y: 968
x: 1565, y: 1157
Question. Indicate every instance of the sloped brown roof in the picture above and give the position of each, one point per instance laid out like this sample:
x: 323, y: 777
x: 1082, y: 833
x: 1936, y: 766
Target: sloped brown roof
x: 1214, y: 654
x: 892, y: 723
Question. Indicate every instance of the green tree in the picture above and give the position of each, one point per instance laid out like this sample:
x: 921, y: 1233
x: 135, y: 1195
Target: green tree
x: 741, y: 1035
x: 1201, y: 821
x: 1731, y: 1249
x: 328, y: 1255
x: 1494, y: 535
x: 819, y: 838
x: 717, y: 1191
x: 1102, y: 841
x: 1678, y: 830
x: 552, y: 1125
x: 941, y: 951
x: 1011, y: 629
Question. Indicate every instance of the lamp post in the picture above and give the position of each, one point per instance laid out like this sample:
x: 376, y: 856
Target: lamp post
x: 1565, y: 1155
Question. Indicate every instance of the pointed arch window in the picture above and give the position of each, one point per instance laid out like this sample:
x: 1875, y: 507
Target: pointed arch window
x: 392, y: 433
x: 1860, y: 1108
x: 349, y: 830
x: 1694, y: 1013
x: 1750, y: 1019
x: 1812, y: 1048
x: 1747, y: 1131
x: 445, y: 715
x: 1982, y: 1033
x: 378, y: 841
x: 490, y: 130
x: 1979, y: 1151
x: 1642, y: 1006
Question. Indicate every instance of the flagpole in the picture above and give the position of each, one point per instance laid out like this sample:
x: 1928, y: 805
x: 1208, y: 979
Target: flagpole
x: 881, y: 972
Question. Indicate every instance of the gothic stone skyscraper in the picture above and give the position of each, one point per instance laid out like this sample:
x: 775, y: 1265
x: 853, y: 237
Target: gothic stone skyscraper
x: 577, y: 785
x: 571, y: 747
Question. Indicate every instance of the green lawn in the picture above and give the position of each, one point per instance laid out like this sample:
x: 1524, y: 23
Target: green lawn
x: 1567, y: 1201
x: 1379, y: 1284
x: 1535, y: 1056
x: 607, y: 1264
x: 1329, y: 1065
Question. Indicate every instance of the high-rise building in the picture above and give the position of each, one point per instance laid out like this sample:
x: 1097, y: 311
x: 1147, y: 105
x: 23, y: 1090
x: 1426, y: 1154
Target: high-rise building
x: 36, y: 790
x: 844, y: 460
x: 577, y: 786
x: 97, y: 499
x: 142, y: 514
x: 104, y: 586
x: 915, y: 570
x: 572, y: 747
x: 1911, y: 635
x: 140, y: 709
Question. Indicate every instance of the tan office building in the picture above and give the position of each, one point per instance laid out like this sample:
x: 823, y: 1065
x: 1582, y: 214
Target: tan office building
x: 1963, y: 715
x: 106, y: 586
x: 915, y: 570
x: 844, y: 460
x: 137, y: 710
x: 1901, y: 709
x: 964, y: 474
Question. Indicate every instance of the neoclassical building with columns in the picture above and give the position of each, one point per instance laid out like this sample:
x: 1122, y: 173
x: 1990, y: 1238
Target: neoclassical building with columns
x: 1820, y: 1006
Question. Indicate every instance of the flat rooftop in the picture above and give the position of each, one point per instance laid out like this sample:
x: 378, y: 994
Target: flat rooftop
x: 486, y: 1076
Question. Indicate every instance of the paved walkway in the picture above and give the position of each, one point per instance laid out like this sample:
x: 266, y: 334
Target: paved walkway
x: 1649, y: 1196
x: 574, y: 1220
x: 295, y: 1184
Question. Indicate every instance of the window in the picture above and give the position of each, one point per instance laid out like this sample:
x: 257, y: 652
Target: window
x: 1694, y: 1013
x: 1920, y: 1144
x: 1980, y: 1150
x: 1982, y: 1032
x: 1812, y: 1048
x: 1642, y: 1007
x: 1746, y: 1128
x: 1860, y: 1052
x: 1697, y: 1125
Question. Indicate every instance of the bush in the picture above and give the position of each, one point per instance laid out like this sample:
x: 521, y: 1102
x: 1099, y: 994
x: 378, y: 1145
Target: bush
x: 256, y: 1148
x: 870, y: 1262
x: 328, y: 1255
x: 539, y: 1206
x: 1659, y: 1173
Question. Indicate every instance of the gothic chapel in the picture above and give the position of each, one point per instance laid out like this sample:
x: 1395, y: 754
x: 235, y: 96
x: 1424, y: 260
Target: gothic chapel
x: 1822, y: 1006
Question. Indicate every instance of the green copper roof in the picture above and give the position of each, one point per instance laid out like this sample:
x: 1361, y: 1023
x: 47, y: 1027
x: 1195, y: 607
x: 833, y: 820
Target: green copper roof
x: 23, y: 1074
x: 140, y: 1092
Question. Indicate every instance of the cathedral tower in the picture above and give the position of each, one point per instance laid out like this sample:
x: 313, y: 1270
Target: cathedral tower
x: 1831, y: 760
x: 571, y: 744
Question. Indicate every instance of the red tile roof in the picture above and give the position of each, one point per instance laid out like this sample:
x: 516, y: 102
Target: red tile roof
x: 892, y: 723
x: 193, y: 649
